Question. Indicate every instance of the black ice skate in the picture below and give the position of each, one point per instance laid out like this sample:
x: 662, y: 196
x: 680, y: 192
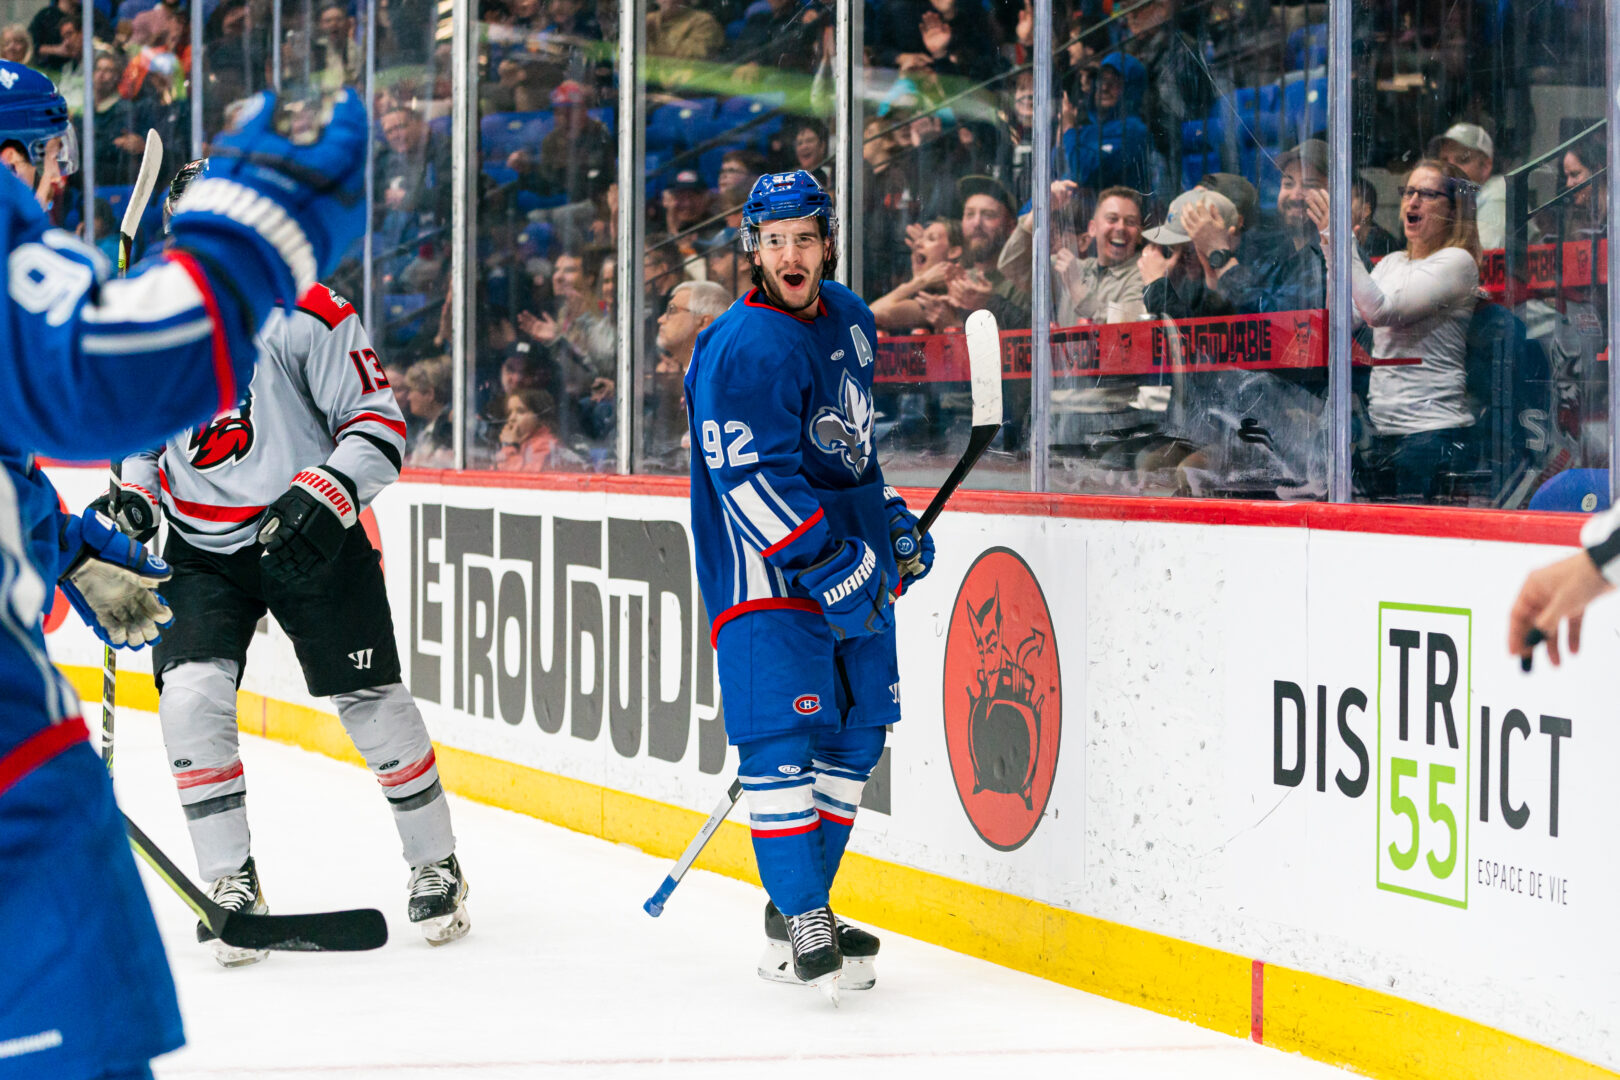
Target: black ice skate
x: 812, y: 944
x: 238, y: 891
x: 438, y: 901
x: 860, y: 951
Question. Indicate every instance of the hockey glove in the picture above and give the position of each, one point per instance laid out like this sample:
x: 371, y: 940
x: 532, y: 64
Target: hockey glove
x: 112, y: 581
x: 133, y: 509
x: 305, y: 528
x: 298, y: 191
x: 914, y: 552
x: 852, y: 591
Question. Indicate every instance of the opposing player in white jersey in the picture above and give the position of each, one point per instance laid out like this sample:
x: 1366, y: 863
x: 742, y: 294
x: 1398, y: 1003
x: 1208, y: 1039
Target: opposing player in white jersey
x: 263, y: 505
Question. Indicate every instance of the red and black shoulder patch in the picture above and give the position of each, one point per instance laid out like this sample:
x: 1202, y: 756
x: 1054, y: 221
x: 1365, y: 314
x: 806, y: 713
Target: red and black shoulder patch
x: 325, y: 305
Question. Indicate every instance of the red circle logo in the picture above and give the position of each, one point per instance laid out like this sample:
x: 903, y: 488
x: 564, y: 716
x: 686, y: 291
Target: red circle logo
x: 807, y: 705
x: 1003, y: 698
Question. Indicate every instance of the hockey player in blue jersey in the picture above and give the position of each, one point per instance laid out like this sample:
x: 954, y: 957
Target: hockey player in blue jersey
x: 96, y: 368
x: 795, y: 535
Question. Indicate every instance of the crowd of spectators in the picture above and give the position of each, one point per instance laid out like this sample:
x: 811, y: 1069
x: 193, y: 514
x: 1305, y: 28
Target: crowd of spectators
x: 1188, y: 169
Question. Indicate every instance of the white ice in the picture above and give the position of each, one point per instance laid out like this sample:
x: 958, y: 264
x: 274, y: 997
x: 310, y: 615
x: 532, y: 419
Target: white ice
x: 564, y: 975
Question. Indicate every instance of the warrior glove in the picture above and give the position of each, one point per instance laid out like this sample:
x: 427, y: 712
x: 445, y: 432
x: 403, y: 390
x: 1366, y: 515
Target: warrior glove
x: 133, y: 509
x: 112, y: 581
x: 306, y: 526
x: 913, y: 551
x: 852, y: 591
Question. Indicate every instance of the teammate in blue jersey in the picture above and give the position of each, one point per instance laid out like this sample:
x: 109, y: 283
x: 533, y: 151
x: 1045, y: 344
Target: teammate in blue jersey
x: 96, y: 368
x: 796, y: 539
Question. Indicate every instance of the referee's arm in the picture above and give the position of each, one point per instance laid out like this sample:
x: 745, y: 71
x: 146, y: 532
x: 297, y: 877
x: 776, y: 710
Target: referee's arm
x: 1559, y: 593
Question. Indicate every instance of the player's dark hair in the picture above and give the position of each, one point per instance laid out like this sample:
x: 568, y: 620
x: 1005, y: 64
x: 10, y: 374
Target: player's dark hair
x: 828, y: 268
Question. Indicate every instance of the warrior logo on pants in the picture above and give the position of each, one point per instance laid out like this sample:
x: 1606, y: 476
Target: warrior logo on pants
x: 1003, y: 699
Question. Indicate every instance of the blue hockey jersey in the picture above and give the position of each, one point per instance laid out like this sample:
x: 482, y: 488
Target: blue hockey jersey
x: 783, y: 462
x: 92, y: 368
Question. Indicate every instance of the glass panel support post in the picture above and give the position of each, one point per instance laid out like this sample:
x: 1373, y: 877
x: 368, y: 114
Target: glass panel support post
x: 368, y: 299
x: 463, y: 214
x: 198, y: 136
x: 87, y: 151
x: 849, y: 115
x: 1340, y: 313
x: 1040, y: 314
x: 1612, y: 181
x: 629, y: 295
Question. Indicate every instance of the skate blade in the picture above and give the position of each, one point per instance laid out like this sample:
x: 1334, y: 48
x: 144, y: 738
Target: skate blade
x: 776, y: 965
x: 446, y: 928
x: 828, y: 984
x: 230, y: 956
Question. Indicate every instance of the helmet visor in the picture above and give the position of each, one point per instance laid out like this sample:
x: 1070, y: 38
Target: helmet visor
x: 66, y: 148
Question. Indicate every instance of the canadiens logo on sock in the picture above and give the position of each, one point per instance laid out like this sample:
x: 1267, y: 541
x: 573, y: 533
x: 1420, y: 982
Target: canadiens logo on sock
x: 807, y: 704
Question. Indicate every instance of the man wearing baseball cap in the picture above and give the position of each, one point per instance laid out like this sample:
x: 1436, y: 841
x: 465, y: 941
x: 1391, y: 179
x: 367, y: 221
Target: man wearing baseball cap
x: 1291, y: 278
x: 1471, y: 149
x: 1173, y: 273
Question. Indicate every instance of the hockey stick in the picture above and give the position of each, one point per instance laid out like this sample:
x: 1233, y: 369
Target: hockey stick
x: 655, y: 903
x: 327, y: 931
x: 984, y: 367
x: 145, y: 181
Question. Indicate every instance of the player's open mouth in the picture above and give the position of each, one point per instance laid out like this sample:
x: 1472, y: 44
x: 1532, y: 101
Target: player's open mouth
x: 793, y: 281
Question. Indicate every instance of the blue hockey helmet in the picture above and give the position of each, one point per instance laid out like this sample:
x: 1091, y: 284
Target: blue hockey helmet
x: 32, y: 113
x: 786, y: 196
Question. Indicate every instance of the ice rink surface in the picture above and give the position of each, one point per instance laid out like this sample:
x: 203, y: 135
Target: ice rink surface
x: 564, y: 975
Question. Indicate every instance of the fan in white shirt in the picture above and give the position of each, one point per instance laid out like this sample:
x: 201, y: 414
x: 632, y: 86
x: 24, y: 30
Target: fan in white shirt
x: 1419, y: 303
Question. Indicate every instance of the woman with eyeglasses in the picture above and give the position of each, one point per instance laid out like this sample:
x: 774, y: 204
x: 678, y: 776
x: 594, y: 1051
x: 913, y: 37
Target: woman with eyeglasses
x: 1419, y: 303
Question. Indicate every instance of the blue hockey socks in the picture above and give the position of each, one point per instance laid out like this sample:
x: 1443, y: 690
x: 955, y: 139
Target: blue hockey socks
x: 803, y: 792
x: 777, y: 782
x: 842, y: 762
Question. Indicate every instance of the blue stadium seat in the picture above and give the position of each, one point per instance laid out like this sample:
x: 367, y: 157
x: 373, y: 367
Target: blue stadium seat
x: 500, y: 134
x: 679, y: 124
x: 404, y: 315
x: 606, y: 116
x: 1308, y: 47
x: 1305, y: 109
x: 439, y: 125
x: 1255, y: 113
x: 735, y: 112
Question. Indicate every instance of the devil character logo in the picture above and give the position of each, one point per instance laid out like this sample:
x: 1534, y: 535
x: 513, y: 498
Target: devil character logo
x: 846, y: 432
x: 1004, y: 714
x: 224, y: 440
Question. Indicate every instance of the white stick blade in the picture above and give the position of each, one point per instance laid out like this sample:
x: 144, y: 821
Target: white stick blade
x: 984, y: 365
x: 145, y: 181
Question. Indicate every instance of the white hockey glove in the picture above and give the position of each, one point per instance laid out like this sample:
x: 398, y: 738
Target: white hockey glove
x: 133, y: 509
x: 306, y: 526
x: 112, y: 582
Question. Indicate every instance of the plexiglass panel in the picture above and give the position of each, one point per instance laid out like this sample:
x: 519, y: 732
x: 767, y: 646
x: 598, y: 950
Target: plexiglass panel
x: 1479, y: 147
x: 1189, y: 287
x: 542, y: 392
x: 733, y: 91
x: 944, y: 130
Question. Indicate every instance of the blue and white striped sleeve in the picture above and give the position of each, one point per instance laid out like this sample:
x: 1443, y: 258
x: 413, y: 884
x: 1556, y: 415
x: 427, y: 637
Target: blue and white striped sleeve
x: 98, y: 367
x: 749, y: 437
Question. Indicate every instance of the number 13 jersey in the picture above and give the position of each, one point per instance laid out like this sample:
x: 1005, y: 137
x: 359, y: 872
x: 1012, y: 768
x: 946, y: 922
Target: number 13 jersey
x: 318, y: 396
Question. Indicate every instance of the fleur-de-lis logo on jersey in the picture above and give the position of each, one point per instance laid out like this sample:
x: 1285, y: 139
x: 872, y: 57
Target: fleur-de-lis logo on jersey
x: 8, y: 79
x: 846, y: 432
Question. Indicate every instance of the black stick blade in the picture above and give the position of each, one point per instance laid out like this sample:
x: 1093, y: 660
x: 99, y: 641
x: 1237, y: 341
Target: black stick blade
x: 328, y: 931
